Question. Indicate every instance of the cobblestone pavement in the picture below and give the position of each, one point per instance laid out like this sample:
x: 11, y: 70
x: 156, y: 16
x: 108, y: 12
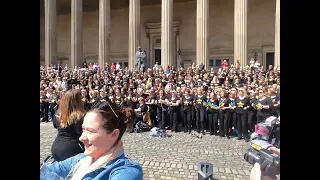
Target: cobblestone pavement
x: 175, y: 157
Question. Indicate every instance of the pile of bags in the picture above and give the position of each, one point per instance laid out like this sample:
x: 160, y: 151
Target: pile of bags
x: 157, y: 132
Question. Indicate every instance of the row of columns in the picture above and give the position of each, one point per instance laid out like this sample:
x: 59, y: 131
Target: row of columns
x: 76, y: 56
x: 167, y: 51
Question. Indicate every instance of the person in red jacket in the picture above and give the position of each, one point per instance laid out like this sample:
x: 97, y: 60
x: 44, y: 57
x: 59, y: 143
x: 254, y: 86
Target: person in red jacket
x: 225, y: 64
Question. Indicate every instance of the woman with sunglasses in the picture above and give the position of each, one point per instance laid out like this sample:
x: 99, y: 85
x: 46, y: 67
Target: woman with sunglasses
x: 104, y: 157
x: 118, y: 98
x: 263, y: 106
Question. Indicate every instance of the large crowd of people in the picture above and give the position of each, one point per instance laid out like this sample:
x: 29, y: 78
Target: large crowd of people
x: 223, y: 102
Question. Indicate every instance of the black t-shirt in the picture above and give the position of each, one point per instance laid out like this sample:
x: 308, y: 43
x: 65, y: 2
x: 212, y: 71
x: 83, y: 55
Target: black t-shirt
x: 242, y: 103
x: 224, y: 102
x: 110, y: 97
x: 265, y: 101
x: 102, y: 99
x: 271, y: 80
x: 43, y: 103
x: 53, y: 102
x: 118, y: 100
x: 93, y: 100
x: 86, y: 102
x: 161, y: 101
x: 252, y: 101
x: 129, y: 102
x: 199, y: 100
x: 137, y: 96
x: 214, y: 104
x: 187, y: 101
x: 153, y: 107
x: 172, y: 107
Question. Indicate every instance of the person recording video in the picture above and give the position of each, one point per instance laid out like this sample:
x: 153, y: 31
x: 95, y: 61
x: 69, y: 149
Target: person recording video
x: 257, y: 173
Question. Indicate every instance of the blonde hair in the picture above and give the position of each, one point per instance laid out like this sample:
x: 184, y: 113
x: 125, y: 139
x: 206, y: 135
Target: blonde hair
x: 71, y: 108
x: 244, y: 92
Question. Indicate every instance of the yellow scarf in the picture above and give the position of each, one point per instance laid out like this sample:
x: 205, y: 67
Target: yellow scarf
x: 85, y: 165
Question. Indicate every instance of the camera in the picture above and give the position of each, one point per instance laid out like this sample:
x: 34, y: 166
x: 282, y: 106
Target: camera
x: 268, y: 160
x: 269, y: 131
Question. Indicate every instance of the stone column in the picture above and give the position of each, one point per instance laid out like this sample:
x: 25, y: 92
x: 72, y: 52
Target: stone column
x: 277, y: 36
x: 104, y: 33
x: 50, y: 33
x: 166, y: 33
x: 202, y: 32
x: 240, y: 31
x: 149, y: 59
x: 76, y: 34
x: 134, y: 31
x: 177, y: 47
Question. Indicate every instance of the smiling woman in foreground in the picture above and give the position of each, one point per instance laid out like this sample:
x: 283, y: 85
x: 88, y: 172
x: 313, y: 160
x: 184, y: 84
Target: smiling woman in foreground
x: 103, y: 157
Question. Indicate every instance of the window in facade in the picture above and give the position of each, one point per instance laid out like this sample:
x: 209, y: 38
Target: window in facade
x: 211, y: 63
x: 218, y: 62
x: 125, y: 64
x: 187, y: 63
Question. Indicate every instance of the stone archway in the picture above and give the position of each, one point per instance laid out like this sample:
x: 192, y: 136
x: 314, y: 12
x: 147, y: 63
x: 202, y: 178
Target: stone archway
x: 154, y: 37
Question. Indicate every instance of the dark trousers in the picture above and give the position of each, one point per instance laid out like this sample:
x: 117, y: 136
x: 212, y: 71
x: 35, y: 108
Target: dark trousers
x: 153, y: 117
x: 233, y: 120
x: 193, y: 117
x: 223, y: 122
x: 173, y: 120
x: 45, y: 113
x: 243, y: 124
x: 161, y: 116
x: 213, y: 122
x: 187, y: 114
x: 252, y: 119
x: 181, y: 117
x: 200, y: 115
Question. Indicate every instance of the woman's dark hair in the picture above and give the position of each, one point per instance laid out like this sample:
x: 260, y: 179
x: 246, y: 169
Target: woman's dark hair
x: 115, y: 117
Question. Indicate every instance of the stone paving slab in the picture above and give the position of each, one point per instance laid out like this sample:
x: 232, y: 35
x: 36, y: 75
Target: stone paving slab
x: 175, y: 157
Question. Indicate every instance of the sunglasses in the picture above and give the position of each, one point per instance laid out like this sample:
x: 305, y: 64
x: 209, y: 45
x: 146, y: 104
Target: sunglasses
x: 103, y: 105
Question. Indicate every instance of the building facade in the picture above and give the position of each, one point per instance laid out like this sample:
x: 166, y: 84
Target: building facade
x: 172, y: 32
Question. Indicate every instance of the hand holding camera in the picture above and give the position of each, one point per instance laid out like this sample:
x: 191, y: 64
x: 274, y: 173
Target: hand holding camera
x: 265, y: 158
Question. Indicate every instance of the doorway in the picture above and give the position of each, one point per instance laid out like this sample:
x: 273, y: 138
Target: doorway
x: 157, y: 58
x: 269, y: 59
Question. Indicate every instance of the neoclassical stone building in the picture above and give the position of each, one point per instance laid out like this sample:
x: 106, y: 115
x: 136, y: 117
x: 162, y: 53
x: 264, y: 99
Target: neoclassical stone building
x: 172, y: 32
